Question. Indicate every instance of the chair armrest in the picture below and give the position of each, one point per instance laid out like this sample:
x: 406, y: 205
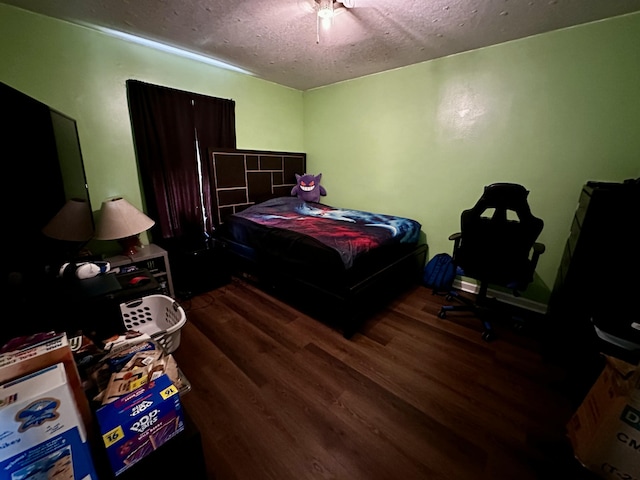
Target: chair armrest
x: 538, y: 249
x: 456, y: 237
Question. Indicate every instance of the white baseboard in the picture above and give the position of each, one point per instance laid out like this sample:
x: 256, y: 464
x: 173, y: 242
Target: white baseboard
x: 519, y: 302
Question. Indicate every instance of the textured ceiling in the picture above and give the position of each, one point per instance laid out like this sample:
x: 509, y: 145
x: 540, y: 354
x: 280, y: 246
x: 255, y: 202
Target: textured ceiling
x: 277, y: 40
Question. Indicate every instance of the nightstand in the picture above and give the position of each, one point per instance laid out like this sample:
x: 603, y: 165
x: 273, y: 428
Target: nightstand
x: 152, y: 258
x: 199, y: 268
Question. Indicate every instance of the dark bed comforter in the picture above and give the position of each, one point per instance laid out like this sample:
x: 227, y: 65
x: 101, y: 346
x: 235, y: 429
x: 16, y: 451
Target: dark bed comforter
x: 288, y: 227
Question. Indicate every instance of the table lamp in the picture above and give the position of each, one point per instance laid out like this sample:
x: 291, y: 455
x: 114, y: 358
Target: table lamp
x: 121, y: 221
x: 72, y: 227
x: 72, y: 223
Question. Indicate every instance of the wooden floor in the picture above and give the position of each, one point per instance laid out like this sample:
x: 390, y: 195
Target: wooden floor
x: 279, y: 395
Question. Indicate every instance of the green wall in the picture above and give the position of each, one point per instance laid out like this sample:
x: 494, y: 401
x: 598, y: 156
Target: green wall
x: 82, y: 73
x: 550, y: 112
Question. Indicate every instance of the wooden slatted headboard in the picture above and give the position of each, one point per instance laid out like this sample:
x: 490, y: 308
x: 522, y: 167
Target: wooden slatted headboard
x: 245, y: 177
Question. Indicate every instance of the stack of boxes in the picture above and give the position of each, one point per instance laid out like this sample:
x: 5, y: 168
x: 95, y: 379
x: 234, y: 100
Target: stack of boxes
x: 47, y: 425
x: 42, y: 433
x: 36, y: 355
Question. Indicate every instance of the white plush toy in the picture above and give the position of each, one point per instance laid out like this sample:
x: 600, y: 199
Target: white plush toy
x: 84, y: 270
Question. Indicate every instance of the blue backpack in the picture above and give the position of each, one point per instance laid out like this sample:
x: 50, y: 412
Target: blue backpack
x: 439, y: 273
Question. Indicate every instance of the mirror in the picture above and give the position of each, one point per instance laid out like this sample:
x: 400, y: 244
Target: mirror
x: 43, y: 169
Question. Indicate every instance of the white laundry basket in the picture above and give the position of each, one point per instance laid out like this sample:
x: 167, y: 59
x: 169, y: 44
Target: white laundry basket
x: 159, y: 316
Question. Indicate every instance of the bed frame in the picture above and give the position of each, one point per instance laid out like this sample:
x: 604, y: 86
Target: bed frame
x: 245, y: 177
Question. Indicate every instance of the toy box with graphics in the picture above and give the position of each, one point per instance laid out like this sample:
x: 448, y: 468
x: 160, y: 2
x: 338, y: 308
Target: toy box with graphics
x: 138, y: 423
x: 50, y: 350
x: 41, y: 431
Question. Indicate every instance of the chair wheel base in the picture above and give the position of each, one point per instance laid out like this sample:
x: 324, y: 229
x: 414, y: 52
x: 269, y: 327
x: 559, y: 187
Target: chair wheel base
x: 488, y: 336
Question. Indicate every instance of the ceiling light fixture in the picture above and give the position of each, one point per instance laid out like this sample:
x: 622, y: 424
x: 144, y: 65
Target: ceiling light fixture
x: 325, y: 16
x: 327, y: 10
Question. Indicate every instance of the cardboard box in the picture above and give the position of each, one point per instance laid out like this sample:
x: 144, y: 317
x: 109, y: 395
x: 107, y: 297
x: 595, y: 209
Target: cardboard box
x: 46, y: 353
x: 605, y: 430
x: 42, y: 434
x: 136, y: 424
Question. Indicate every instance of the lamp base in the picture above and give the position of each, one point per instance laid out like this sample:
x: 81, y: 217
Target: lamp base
x: 129, y: 245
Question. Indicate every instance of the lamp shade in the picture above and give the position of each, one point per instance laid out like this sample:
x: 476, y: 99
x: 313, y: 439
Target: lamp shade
x: 73, y: 223
x: 119, y: 219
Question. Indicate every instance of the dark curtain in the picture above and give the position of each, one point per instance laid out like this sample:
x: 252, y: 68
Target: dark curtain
x: 216, y: 128
x: 170, y: 128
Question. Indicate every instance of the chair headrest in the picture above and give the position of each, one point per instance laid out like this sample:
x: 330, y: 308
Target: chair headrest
x: 503, y: 197
x: 498, y: 248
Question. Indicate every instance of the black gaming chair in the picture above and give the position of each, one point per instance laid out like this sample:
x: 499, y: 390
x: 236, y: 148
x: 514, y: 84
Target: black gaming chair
x: 495, y: 249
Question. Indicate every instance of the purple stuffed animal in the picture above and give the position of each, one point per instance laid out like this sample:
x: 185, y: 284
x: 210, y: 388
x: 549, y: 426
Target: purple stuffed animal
x: 308, y: 188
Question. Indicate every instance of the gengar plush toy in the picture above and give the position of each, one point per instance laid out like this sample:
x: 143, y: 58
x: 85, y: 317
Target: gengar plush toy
x: 309, y: 188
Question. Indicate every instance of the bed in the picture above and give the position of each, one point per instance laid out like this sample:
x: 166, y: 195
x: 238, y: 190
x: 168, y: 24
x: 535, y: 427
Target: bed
x: 339, y: 265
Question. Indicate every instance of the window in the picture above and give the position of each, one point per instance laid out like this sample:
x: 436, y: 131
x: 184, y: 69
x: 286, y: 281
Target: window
x: 173, y: 131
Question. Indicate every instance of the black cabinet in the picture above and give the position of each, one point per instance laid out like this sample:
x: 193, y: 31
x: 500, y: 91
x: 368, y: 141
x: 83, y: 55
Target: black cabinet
x: 598, y: 276
x: 199, y: 267
x: 600, y: 258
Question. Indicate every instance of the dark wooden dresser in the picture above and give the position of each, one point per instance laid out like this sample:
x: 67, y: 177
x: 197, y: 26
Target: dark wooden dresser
x: 598, y: 276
